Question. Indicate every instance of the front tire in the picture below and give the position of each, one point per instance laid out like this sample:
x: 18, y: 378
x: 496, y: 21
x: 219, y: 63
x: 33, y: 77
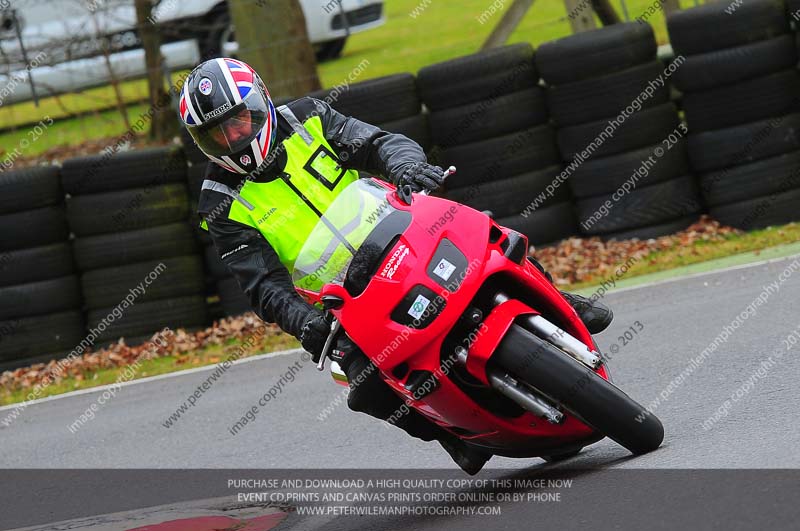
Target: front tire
x: 578, y: 390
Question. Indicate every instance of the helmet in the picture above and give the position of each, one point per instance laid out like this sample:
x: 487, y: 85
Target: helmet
x: 229, y: 113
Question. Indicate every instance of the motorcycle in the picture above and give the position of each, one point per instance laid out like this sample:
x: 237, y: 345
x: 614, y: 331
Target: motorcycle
x: 463, y: 326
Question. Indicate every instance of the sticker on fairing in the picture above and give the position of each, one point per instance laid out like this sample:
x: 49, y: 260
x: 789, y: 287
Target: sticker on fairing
x: 420, y: 305
x: 444, y: 269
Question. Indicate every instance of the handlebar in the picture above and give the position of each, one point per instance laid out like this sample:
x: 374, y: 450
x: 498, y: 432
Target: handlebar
x: 447, y: 173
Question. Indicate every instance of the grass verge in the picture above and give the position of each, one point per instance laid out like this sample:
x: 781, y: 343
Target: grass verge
x: 703, y: 251
x: 210, y: 355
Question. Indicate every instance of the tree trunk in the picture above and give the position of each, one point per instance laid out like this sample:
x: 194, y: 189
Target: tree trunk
x: 580, y: 15
x: 670, y: 6
x: 163, y: 124
x: 605, y: 12
x: 272, y: 38
x: 511, y: 19
x: 123, y: 109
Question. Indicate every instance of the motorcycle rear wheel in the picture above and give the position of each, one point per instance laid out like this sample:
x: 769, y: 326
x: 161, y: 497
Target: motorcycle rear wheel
x: 578, y: 390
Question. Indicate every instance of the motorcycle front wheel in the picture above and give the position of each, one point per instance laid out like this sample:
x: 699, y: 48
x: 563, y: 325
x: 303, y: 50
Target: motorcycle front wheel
x: 577, y: 389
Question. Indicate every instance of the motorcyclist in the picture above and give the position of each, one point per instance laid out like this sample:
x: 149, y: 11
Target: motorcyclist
x: 275, y: 173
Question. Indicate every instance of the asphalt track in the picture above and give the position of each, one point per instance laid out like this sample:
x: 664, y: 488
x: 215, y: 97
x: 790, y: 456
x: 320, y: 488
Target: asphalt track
x: 756, y: 369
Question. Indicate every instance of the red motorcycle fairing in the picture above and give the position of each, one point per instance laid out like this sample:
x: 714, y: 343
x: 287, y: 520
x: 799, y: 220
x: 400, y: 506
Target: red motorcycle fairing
x: 373, y: 319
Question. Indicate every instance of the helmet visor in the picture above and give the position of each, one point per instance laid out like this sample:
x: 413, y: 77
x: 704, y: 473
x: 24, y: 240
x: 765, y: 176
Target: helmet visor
x: 234, y: 130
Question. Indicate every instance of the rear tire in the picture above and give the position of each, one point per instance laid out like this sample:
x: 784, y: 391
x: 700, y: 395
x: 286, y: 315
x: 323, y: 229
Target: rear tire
x: 578, y: 390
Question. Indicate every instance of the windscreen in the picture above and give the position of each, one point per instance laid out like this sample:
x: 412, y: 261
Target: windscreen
x: 338, y: 235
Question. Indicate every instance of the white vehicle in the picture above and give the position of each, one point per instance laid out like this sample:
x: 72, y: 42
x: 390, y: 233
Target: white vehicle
x: 65, y: 39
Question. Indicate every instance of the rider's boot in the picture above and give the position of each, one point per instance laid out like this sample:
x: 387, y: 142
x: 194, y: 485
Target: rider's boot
x: 469, y: 459
x: 595, y: 315
x: 371, y: 395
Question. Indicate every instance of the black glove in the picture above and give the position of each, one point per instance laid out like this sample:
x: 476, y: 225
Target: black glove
x: 419, y: 176
x: 314, y: 334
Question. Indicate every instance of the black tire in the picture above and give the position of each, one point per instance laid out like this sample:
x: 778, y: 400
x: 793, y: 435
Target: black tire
x: 146, y: 318
x: 643, y: 128
x: 642, y: 207
x: 416, y: 128
x: 217, y: 22
x: 488, y: 118
x: 709, y: 27
x: 33, y: 228
x: 195, y: 176
x: 232, y: 298
x: 748, y: 101
x: 653, y: 231
x: 604, y: 96
x: 215, y: 267
x: 544, y: 225
x: 732, y: 65
x: 606, y: 174
x: 743, y: 144
x: 33, y: 337
x: 501, y: 157
x: 129, y: 169
x: 508, y: 197
x: 37, y: 263
x: 174, y: 277
x: 760, y: 178
x: 40, y: 298
x: 138, y: 208
x: 376, y: 101
x: 578, y: 389
x: 477, y: 77
x: 595, y: 53
x: 30, y: 188
x: 122, y: 248
x: 331, y: 49
x: 761, y: 212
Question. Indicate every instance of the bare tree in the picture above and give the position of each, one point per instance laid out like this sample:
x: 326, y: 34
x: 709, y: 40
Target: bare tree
x: 273, y: 39
x: 115, y: 82
x: 164, y: 123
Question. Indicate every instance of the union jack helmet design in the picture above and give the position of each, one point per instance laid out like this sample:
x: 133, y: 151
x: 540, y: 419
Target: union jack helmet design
x: 229, y: 113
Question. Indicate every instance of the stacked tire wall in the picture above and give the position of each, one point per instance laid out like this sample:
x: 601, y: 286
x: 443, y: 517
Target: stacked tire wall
x: 618, y: 133
x: 140, y: 266
x: 390, y: 102
x: 489, y: 119
x: 40, y: 299
x: 223, y: 294
x: 741, y: 90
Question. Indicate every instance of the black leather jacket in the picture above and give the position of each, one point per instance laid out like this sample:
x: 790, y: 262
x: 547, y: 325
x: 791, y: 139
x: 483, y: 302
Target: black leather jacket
x: 253, y: 261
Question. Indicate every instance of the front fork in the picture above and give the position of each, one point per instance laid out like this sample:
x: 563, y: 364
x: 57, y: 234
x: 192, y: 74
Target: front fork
x: 508, y: 310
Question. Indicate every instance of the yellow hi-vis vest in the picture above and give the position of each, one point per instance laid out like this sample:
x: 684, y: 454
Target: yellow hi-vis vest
x: 286, y: 210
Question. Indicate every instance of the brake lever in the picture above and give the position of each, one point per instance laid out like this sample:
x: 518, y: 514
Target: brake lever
x: 335, y: 327
x: 404, y: 192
